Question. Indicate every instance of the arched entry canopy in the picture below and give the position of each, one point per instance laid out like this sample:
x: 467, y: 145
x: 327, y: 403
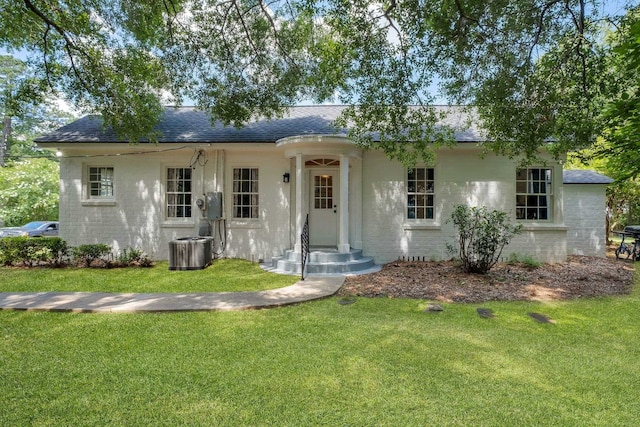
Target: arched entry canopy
x: 319, y: 194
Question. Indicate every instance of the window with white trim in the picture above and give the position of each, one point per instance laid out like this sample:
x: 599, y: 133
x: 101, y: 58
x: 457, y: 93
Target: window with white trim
x: 534, y: 191
x: 245, y: 193
x: 420, y: 193
x: 178, y: 193
x: 100, y: 182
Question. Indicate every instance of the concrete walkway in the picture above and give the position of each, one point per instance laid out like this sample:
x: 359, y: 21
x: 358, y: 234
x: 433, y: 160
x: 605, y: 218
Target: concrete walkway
x: 99, y: 302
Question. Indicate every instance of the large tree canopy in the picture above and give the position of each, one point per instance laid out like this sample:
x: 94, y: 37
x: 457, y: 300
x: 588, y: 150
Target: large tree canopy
x: 621, y: 115
x: 533, y: 70
x: 26, y: 113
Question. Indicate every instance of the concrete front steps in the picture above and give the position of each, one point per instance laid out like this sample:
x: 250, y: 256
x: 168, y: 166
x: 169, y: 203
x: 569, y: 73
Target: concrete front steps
x: 323, y: 262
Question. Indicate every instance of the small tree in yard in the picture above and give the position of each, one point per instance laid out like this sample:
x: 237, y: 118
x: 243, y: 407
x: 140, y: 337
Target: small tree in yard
x: 482, y: 234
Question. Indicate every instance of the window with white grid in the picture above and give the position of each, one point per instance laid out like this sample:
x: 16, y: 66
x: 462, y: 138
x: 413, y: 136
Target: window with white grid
x: 533, y: 193
x: 245, y: 193
x: 100, y: 182
x: 178, y: 194
x: 420, y: 193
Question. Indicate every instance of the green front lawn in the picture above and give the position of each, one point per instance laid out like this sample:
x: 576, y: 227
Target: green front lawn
x: 375, y: 362
x: 231, y: 275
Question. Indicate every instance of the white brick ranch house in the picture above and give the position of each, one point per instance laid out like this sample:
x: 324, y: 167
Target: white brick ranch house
x: 271, y: 174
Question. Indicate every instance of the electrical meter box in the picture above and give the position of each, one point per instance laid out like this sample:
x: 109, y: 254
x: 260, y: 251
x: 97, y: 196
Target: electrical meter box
x: 214, y: 206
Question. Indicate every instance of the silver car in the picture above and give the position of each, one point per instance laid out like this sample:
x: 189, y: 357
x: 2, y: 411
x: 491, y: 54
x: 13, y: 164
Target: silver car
x: 32, y: 229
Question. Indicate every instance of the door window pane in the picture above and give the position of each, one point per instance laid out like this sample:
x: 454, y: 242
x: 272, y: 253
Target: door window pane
x: 323, y: 192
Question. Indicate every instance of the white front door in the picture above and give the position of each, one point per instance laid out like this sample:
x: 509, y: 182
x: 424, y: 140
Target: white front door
x: 323, y: 208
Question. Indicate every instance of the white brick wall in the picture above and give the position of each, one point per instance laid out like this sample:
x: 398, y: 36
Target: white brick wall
x: 461, y: 177
x: 269, y: 236
x: 135, y: 217
x: 585, y: 208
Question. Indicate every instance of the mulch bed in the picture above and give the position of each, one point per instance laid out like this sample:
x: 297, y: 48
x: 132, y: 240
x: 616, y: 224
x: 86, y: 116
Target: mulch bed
x: 579, y: 277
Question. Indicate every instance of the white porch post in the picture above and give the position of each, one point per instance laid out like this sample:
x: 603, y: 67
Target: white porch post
x: 299, y: 203
x: 343, y: 233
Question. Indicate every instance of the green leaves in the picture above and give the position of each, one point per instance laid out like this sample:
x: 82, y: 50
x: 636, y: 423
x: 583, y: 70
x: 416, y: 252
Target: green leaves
x: 29, y: 251
x: 393, y: 129
x: 482, y: 234
x: 621, y: 113
x: 536, y: 72
x: 29, y: 191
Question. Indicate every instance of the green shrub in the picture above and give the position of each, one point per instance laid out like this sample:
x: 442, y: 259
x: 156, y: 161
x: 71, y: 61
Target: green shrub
x: 37, y: 255
x: 12, y: 250
x: 526, y: 260
x: 482, y: 235
x: 133, y: 257
x: 30, y: 251
x: 53, y: 251
x: 90, y: 253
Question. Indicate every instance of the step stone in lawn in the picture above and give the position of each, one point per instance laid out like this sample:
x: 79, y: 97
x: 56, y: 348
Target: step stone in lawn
x: 485, y: 313
x: 541, y: 318
x: 434, y: 308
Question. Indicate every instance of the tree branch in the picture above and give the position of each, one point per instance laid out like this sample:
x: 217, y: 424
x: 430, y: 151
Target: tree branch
x: 540, y: 29
x: 69, y: 44
x: 47, y: 71
x: 166, y: 4
x: 275, y: 36
x: 463, y: 14
x: 579, y: 23
x: 244, y: 26
x: 49, y: 22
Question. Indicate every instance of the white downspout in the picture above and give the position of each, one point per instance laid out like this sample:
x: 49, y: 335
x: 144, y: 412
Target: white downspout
x: 343, y: 233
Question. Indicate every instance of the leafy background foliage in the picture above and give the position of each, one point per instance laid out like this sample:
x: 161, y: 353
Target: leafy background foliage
x: 29, y: 191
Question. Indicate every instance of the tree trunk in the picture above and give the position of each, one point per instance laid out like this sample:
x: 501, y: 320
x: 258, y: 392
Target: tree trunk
x: 4, y: 143
x: 608, y: 215
x: 607, y: 230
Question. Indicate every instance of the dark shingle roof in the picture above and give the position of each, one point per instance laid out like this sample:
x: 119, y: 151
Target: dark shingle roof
x: 584, y: 177
x: 189, y: 125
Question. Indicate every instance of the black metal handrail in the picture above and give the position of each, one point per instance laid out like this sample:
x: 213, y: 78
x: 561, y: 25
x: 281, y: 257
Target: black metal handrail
x: 304, y: 237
